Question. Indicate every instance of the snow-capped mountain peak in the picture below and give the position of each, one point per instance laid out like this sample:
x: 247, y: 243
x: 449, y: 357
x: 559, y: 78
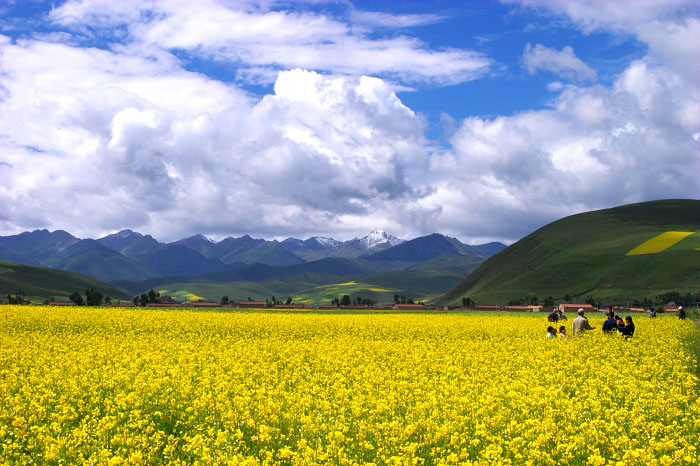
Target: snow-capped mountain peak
x: 327, y: 242
x: 378, y: 237
x: 127, y: 234
x: 204, y: 238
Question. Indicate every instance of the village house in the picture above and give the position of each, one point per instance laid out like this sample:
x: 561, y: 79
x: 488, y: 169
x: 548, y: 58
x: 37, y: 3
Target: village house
x: 251, y: 304
x: 292, y: 306
x: 205, y: 304
x: 408, y: 307
x: 568, y: 307
x: 487, y: 307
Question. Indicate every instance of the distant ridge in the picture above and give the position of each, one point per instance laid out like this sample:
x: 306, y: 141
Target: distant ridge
x: 431, y: 246
x: 43, y: 282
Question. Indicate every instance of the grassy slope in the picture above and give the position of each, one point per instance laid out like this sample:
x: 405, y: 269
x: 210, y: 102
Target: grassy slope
x: 106, y: 266
x: 585, y: 253
x: 320, y: 289
x: 242, y: 290
x: 40, y: 283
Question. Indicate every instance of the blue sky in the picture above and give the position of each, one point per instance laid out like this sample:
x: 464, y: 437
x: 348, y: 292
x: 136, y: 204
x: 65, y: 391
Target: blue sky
x: 482, y: 120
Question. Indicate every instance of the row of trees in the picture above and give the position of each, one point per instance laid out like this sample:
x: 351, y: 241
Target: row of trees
x: 345, y: 300
x: 274, y: 301
x: 401, y: 299
x: 533, y: 300
x: 93, y: 297
x: 18, y: 298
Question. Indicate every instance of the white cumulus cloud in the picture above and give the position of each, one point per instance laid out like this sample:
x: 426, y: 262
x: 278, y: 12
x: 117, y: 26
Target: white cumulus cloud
x: 94, y: 134
x: 562, y: 62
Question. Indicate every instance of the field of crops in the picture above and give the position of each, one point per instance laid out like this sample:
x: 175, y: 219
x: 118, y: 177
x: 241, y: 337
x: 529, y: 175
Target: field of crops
x: 132, y: 386
x: 660, y: 242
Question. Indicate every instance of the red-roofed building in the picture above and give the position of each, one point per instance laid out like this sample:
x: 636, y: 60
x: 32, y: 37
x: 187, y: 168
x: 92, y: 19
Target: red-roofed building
x: 575, y: 307
x: 408, y: 307
x: 252, y: 304
x: 205, y: 304
x: 518, y: 308
x: 487, y: 307
x: 61, y: 303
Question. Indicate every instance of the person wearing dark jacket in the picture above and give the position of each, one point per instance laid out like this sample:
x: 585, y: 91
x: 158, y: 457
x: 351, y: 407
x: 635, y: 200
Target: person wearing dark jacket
x: 610, y: 324
x: 620, y: 324
x: 628, y: 330
x: 681, y: 313
x: 553, y: 317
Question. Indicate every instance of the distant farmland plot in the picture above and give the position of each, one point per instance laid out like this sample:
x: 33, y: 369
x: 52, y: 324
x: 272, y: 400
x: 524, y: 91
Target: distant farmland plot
x: 325, y: 293
x: 112, y: 386
x: 660, y: 242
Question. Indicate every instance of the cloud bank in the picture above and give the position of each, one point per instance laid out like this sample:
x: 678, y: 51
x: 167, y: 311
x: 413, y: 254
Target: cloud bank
x: 125, y: 136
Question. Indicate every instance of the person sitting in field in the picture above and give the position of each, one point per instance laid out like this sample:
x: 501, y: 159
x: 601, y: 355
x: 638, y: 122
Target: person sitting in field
x: 551, y: 333
x: 562, y: 332
x: 553, y: 317
x: 610, y: 324
x: 681, y: 313
x: 580, y: 324
x: 620, y: 324
x: 628, y: 330
x: 561, y: 315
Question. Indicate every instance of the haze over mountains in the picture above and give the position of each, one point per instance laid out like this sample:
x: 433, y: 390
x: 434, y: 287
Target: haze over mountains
x: 135, y: 262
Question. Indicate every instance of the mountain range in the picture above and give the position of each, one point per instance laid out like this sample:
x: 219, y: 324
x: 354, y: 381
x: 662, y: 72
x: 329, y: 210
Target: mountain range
x: 617, y: 255
x: 134, y: 262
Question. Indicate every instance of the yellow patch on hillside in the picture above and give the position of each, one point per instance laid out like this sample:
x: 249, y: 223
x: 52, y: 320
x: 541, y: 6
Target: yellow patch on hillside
x: 659, y: 243
x: 381, y: 290
x: 182, y: 295
x: 346, y: 284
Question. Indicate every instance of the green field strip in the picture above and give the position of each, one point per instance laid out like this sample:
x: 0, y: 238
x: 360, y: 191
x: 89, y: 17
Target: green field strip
x: 660, y: 242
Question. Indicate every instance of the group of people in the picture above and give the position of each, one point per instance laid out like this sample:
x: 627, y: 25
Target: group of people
x: 613, y: 324
x: 556, y: 316
x: 552, y: 332
x: 580, y: 324
x: 681, y: 313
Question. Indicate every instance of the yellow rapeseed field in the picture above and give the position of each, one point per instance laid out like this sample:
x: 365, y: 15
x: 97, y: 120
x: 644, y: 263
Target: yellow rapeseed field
x: 115, y: 386
x: 659, y: 243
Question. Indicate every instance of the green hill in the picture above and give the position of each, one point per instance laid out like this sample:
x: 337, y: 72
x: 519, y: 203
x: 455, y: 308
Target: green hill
x: 40, y: 283
x: 598, y: 254
x: 315, y: 288
x: 239, y: 291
